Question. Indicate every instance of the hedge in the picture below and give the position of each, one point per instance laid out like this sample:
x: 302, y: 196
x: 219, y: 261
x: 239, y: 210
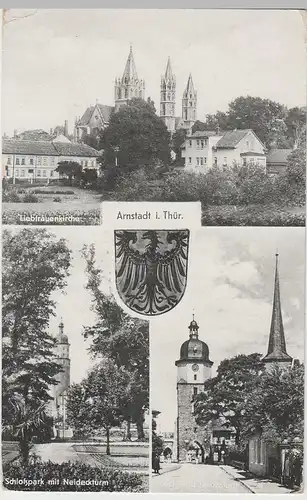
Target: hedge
x: 68, y: 476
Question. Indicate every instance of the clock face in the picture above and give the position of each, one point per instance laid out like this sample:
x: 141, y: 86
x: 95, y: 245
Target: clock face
x: 195, y: 368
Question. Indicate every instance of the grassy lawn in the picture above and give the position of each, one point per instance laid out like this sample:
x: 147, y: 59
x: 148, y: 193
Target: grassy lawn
x: 253, y: 215
x: 122, y: 456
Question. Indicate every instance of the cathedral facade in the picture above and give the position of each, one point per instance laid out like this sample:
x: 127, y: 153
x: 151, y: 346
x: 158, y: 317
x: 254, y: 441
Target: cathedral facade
x: 129, y: 86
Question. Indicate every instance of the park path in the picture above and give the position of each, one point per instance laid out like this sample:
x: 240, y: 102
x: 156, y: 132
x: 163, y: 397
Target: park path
x: 56, y: 452
x: 192, y: 478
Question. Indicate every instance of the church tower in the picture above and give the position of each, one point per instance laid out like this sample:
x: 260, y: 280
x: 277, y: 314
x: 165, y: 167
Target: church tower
x: 189, y: 105
x: 129, y: 86
x: 277, y: 351
x: 193, y: 369
x: 168, y: 98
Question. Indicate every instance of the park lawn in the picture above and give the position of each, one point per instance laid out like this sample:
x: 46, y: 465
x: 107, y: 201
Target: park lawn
x: 122, y: 456
x: 253, y: 215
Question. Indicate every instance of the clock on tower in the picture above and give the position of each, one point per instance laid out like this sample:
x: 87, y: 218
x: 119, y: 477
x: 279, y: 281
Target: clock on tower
x: 193, y: 369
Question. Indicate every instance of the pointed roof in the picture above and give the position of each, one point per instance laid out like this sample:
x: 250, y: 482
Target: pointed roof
x: 130, y: 69
x: 168, y: 72
x: 190, y: 86
x: 277, y: 345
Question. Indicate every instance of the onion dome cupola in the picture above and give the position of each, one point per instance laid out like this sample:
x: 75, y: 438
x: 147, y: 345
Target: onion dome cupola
x: 194, y: 349
x: 62, y: 338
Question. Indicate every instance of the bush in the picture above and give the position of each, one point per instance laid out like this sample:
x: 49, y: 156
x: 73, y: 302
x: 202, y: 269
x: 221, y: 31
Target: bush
x: 11, y: 196
x: 57, y: 199
x: 47, y: 191
x: 238, y: 454
x: 138, y: 186
x: 30, y: 198
x: 40, y: 473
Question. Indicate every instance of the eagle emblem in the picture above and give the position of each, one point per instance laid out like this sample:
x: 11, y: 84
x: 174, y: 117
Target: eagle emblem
x: 151, y: 269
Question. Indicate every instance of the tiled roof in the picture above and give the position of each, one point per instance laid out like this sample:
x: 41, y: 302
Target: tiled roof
x: 73, y: 149
x: 250, y: 153
x: 231, y: 138
x: 19, y: 147
x: 86, y: 116
x: 278, y: 156
x: 46, y: 148
x: 104, y: 110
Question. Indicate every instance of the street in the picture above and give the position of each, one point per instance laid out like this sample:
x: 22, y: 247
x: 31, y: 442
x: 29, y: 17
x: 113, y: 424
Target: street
x: 191, y: 478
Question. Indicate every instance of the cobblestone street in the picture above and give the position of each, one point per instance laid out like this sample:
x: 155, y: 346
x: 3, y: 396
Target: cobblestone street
x: 191, y: 478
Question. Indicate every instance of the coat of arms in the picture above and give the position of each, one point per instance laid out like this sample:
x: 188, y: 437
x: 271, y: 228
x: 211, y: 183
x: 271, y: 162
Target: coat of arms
x: 151, y: 269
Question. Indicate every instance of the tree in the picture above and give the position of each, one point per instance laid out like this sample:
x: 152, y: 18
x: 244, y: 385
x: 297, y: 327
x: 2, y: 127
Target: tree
x: 121, y: 338
x: 177, y: 141
x: 263, y: 116
x: 275, y: 404
x: 100, y: 400
x: 35, y: 265
x: 224, y: 395
x: 70, y: 169
x: 296, y: 126
x: 136, y: 136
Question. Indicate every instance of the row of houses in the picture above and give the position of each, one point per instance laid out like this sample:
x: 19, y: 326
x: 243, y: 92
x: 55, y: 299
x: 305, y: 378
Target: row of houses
x: 35, y: 160
x: 201, y: 151
x: 204, y: 150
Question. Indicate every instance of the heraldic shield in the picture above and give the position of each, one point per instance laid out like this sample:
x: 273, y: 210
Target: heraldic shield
x: 151, y: 269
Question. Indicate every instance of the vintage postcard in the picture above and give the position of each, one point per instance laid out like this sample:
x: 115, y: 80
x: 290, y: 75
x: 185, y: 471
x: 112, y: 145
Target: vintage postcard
x: 160, y: 347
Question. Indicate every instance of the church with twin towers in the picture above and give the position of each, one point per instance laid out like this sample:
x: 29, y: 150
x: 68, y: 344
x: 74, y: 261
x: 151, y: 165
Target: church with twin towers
x: 129, y: 86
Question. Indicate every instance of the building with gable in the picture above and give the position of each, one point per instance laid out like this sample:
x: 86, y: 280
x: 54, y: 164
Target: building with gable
x: 204, y: 150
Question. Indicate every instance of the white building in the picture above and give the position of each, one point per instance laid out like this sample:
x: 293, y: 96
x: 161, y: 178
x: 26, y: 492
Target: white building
x: 37, y: 160
x: 206, y: 149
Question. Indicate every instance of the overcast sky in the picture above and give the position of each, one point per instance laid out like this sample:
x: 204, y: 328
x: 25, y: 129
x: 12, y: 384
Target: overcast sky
x: 230, y: 290
x: 58, y: 62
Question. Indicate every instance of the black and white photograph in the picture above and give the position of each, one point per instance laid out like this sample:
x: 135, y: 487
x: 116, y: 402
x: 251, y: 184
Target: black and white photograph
x: 226, y: 368
x: 75, y: 381
x: 154, y: 105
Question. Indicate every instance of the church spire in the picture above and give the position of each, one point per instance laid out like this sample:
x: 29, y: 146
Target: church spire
x: 168, y: 72
x: 189, y: 104
x: 129, y: 86
x: 277, y: 351
x: 168, y: 98
x: 130, y: 74
x: 190, y: 86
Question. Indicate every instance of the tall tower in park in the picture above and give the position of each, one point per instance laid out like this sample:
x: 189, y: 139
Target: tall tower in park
x: 193, y: 369
x: 129, y: 85
x: 168, y: 98
x: 189, y: 104
x: 277, y: 351
x: 59, y: 390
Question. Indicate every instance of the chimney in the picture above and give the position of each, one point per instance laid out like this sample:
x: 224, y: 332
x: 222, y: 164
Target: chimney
x: 51, y: 131
x: 66, y: 128
x: 15, y: 133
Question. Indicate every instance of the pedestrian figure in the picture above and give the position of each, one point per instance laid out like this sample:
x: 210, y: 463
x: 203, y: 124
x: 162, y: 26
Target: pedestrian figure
x: 156, y: 463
